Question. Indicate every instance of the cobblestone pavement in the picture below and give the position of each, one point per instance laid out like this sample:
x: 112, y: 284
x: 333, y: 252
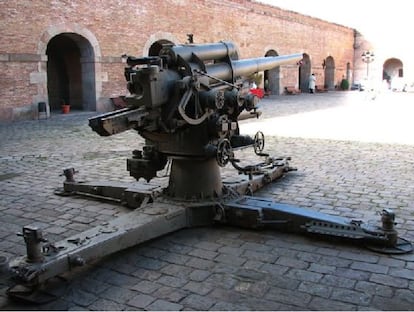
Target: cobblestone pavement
x: 223, y: 268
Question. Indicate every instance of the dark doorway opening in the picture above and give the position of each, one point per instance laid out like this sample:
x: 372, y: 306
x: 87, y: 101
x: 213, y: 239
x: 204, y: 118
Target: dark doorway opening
x: 272, y: 77
x: 71, y: 72
x: 329, y: 73
x: 156, y: 47
x: 304, y: 73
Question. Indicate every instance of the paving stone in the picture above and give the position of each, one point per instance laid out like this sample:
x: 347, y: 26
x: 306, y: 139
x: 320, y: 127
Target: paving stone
x: 201, y: 264
x: 148, y: 263
x: 224, y: 280
x: 151, y: 252
x: 335, y: 261
x: 351, y: 296
x: 304, y: 275
x: 369, y: 267
x: 227, y: 295
x: 208, y: 246
x: 162, y: 305
x: 146, y: 287
x: 83, y: 298
x: 147, y: 274
x: 389, y: 280
x: 235, y: 251
x: 226, y: 306
x: 261, y: 256
x: 356, y: 274
x: 403, y: 273
x: 93, y: 286
x: 118, y: 294
x: 374, y: 289
x: 230, y: 259
x: 292, y: 297
x: 203, y: 253
x: 199, y: 275
x: 256, y: 247
x: 123, y: 268
x: 198, y: 288
x: 102, y: 305
x: 141, y: 301
x: 274, y: 269
x: 322, y: 304
x: 315, y: 289
x: 338, y: 281
x: 258, y: 288
x: 170, y: 294
x: 292, y: 263
x: 122, y: 280
x: 175, y: 258
x: 253, y: 264
x: 179, y: 271
x: 171, y: 281
x: 251, y: 275
x: 223, y: 268
x: 391, y: 304
x: 324, y: 269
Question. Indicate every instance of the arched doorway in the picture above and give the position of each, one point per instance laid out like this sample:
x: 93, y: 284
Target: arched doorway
x: 71, y: 72
x: 348, y: 72
x: 156, y: 47
x: 393, y: 74
x: 329, y: 73
x: 304, y: 73
x: 272, y: 77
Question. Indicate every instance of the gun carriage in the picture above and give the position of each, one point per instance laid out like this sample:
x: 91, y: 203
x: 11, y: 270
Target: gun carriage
x: 186, y: 103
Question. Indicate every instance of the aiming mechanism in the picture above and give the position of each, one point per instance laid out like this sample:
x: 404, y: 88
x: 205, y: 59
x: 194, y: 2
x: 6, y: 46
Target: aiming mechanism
x: 186, y: 103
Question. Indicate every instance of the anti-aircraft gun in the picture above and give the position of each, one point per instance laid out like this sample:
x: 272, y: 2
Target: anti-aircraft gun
x: 186, y: 103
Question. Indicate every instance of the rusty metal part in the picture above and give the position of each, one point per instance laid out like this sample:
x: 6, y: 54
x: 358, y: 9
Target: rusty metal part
x: 256, y: 212
x: 128, y: 230
x: 33, y: 238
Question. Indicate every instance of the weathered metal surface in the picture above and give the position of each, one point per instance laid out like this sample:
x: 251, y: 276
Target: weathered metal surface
x: 186, y: 102
x: 256, y: 212
x: 129, y: 194
x: 138, y: 226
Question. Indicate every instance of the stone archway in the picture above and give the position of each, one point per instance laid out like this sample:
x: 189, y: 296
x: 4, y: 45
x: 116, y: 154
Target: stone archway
x: 272, y: 77
x: 70, y: 72
x: 156, y: 47
x: 393, y: 73
x: 154, y: 43
x: 329, y: 82
x: 304, y: 73
x: 72, y: 67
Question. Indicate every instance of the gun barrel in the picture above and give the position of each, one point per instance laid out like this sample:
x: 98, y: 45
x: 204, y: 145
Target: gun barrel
x: 247, y: 67
x: 204, y: 52
x: 250, y: 66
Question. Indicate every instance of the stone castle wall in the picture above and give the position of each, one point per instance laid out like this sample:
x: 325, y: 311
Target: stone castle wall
x: 112, y: 28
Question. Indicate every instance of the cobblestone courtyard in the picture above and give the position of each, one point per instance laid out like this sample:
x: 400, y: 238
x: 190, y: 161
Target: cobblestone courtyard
x: 354, y: 157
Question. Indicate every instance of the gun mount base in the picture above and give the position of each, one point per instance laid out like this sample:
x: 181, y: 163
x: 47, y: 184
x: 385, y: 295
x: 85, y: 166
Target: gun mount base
x: 195, y: 179
x: 401, y: 246
x: 159, y: 211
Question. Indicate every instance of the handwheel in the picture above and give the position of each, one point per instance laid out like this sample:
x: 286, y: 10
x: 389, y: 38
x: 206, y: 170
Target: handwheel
x: 224, y: 152
x: 259, y: 142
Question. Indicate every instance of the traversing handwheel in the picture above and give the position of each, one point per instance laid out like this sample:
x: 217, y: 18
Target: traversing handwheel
x: 259, y: 142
